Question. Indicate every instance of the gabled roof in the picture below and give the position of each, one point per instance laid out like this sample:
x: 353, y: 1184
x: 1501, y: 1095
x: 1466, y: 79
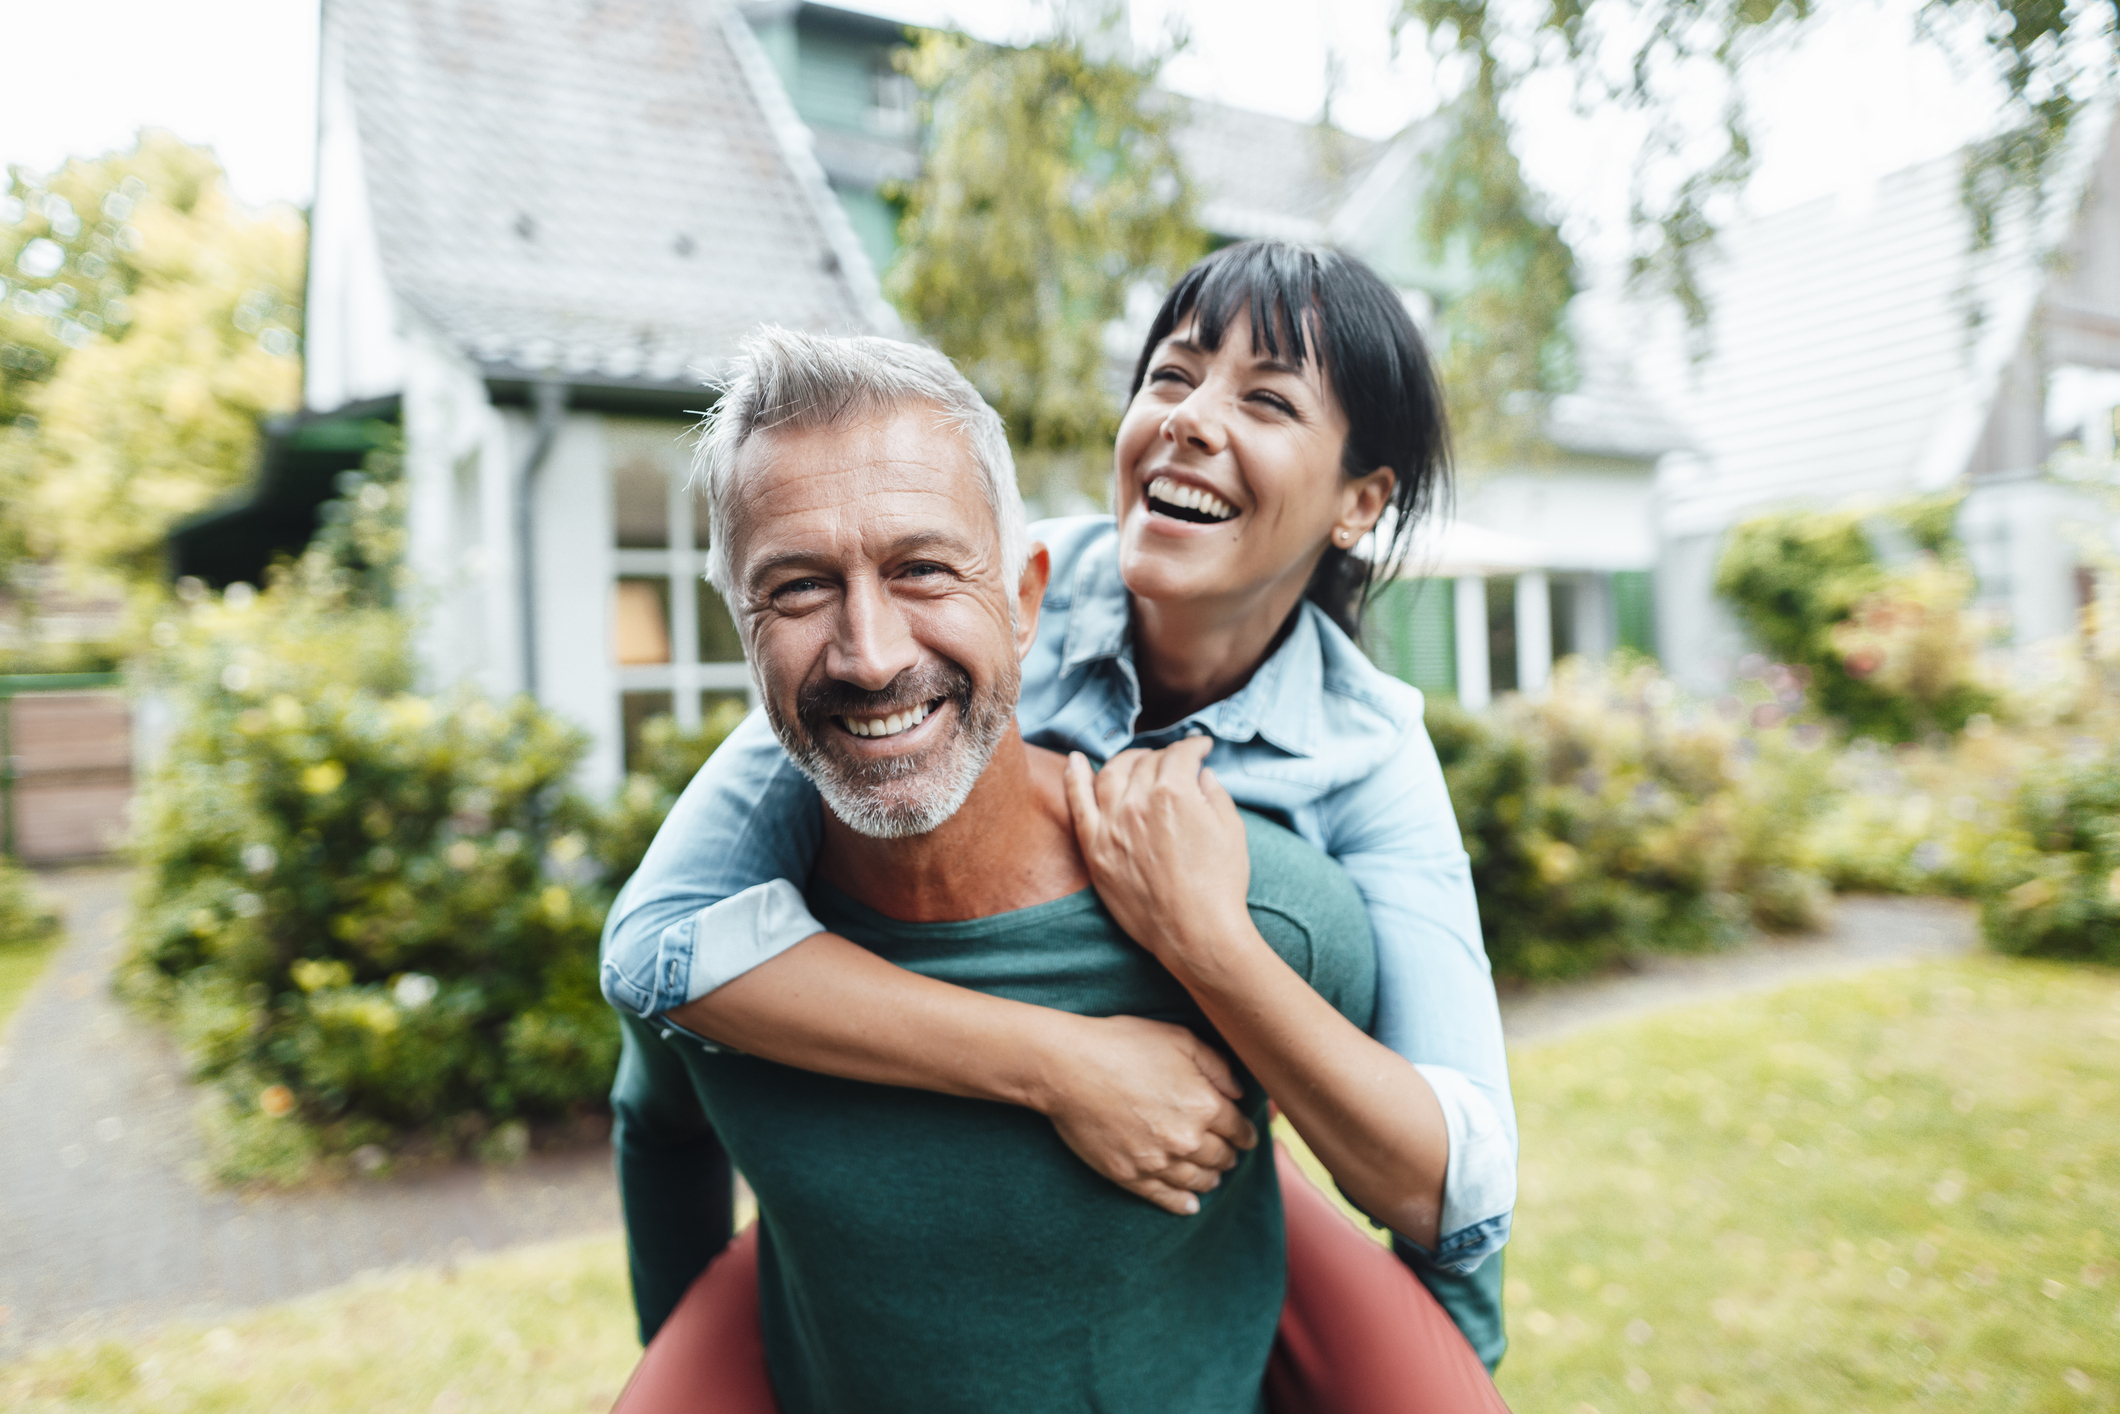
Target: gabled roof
x: 1262, y: 177
x: 610, y: 189
x: 1856, y: 346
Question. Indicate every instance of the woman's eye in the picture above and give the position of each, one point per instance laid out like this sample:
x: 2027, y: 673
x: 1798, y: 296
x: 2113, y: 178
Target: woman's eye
x: 1276, y: 402
x: 1169, y: 375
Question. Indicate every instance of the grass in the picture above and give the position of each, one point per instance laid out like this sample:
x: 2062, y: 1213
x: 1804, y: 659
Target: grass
x: 538, y: 1329
x: 20, y: 965
x: 1896, y: 1192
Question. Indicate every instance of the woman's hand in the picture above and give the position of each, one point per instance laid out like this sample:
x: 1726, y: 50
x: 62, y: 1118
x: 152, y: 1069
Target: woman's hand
x: 1149, y: 1106
x: 1164, y: 844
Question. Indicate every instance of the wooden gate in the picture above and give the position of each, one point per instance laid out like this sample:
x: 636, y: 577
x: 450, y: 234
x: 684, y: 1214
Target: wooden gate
x: 65, y: 766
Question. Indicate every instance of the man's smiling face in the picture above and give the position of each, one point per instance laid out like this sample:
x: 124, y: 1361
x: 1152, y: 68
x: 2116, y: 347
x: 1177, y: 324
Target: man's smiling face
x: 871, y: 596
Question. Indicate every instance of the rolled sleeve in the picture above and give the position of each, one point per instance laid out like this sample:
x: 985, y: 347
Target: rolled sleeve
x: 701, y: 908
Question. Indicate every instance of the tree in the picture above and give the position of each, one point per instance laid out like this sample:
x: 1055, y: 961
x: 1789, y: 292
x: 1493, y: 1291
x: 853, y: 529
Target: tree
x: 147, y: 324
x: 1652, y: 58
x: 1050, y: 189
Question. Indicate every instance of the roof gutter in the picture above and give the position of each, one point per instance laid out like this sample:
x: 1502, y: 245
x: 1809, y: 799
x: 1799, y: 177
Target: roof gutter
x: 550, y: 396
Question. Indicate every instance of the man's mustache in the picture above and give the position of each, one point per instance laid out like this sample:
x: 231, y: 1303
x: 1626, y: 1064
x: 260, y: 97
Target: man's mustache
x: 820, y: 702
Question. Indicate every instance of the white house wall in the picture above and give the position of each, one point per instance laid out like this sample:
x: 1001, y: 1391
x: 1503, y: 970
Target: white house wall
x: 577, y: 675
x: 447, y: 418
x: 352, y: 350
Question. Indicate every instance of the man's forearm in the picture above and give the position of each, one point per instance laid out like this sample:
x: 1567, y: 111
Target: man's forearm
x: 1365, y: 1111
x: 831, y: 1006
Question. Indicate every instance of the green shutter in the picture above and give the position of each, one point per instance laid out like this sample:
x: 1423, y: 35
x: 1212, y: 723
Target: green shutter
x: 1634, y: 609
x: 1410, y: 633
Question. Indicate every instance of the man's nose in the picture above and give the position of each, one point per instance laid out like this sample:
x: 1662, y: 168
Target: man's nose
x: 1196, y: 423
x: 873, y: 644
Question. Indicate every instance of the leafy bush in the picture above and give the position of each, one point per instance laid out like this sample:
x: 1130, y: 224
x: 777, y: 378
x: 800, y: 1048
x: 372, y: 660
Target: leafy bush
x: 1612, y: 818
x: 669, y: 758
x: 2057, y: 893
x: 26, y: 920
x: 370, y: 915
x: 1892, y: 652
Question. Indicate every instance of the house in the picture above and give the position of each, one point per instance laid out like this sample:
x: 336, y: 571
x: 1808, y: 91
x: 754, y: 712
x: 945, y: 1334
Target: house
x: 536, y: 227
x: 1867, y: 348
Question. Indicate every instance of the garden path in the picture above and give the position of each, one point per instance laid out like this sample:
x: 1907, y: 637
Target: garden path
x: 103, y: 1222
x: 105, y: 1225
x: 1864, y: 932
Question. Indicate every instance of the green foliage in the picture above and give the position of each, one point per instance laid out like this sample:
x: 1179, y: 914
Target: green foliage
x: 1611, y: 819
x: 1665, y: 61
x: 369, y: 915
x: 26, y: 920
x: 147, y: 324
x: 670, y: 758
x: 2058, y: 895
x: 1050, y: 188
x: 1891, y: 652
x: 1500, y: 339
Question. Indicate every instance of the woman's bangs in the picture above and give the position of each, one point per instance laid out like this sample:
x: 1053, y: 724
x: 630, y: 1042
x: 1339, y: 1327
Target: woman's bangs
x: 1266, y: 290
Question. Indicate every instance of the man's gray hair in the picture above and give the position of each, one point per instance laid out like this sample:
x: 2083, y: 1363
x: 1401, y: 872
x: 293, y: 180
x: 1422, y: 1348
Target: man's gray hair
x: 786, y: 379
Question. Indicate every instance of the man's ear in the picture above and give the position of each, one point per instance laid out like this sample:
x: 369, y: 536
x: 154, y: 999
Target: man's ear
x: 1030, y: 596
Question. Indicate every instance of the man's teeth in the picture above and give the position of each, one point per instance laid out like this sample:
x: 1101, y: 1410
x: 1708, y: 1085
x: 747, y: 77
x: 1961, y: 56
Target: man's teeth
x: 1190, y: 498
x: 887, y: 726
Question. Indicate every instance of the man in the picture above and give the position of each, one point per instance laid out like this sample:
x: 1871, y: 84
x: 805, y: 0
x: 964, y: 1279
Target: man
x: 920, y: 1250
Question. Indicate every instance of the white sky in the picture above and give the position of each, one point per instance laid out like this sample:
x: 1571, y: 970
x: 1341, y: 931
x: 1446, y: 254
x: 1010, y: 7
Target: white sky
x: 1858, y: 101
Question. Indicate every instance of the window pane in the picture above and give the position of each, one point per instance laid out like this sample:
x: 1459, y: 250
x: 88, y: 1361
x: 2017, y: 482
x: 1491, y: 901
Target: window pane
x: 640, y: 504
x: 641, y: 622
x: 635, y: 708
x: 718, y: 642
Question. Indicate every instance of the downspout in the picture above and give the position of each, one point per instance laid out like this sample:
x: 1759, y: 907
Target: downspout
x: 551, y: 402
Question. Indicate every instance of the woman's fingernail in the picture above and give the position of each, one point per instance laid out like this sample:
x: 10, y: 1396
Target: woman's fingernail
x: 1192, y: 1204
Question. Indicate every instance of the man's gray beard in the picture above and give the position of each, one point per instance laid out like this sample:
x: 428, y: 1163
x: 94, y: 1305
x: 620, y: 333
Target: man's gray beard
x: 932, y: 791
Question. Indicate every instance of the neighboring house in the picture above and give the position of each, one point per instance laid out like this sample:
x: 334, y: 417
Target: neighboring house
x: 1862, y: 349
x: 1580, y: 513
x: 536, y: 227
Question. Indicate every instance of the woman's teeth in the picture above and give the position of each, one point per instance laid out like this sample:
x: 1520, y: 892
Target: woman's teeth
x: 895, y: 723
x: 1175, y: 499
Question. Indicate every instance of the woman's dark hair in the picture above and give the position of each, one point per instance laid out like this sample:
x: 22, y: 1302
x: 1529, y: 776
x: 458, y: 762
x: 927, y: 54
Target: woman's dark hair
x: 1374, y: 362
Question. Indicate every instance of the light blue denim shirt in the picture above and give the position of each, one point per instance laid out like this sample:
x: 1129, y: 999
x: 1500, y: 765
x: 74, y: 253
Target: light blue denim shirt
x: 1319, y: 738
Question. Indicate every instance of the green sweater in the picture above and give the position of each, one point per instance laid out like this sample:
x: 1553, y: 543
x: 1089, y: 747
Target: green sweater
x: 924, y: 1252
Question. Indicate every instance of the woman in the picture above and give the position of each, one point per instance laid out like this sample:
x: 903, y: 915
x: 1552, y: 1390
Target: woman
x: 1282, y: 405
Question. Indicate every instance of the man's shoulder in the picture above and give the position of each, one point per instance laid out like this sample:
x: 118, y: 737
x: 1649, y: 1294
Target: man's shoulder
x: 1307, y: 908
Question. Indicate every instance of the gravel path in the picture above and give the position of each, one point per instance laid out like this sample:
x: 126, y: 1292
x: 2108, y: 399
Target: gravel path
x: 1864, y: 933
x: 104, y: 1223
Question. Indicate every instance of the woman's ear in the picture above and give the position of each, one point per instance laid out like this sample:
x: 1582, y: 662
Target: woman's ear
x: 1030, y: 596
x: 1362, y: 503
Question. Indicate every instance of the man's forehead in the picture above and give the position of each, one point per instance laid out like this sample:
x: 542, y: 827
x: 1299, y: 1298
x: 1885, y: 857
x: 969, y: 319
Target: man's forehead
x: 876, y: 478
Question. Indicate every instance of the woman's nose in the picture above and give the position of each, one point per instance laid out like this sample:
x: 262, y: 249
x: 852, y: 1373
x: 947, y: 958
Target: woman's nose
x: 1193, y: 423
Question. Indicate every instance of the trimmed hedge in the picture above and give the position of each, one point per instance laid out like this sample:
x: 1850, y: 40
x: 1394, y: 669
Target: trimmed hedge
x: 2059, y: 893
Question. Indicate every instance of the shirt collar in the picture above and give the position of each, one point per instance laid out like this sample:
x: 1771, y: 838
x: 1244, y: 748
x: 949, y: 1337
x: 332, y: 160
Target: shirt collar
x: 1280, y: 703
x: 1099, y: 617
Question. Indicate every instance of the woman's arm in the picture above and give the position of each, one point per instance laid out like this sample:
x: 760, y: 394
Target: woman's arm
x: 708, y: 934
x: 1167, y: 850
x: 1147, y: 1104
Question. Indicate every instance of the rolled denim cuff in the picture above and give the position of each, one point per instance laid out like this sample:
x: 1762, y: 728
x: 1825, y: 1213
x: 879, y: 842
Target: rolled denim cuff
x: 1462, y: 1251
x: 1479, y: 1185
x: 725, y: 940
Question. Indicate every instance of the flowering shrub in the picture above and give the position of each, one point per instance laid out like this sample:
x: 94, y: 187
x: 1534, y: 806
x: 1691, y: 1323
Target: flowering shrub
x: 2055, y: 891
x: 669, y: 758
x: 1613, y: 818
x: 26, y: 921
x: 1893, y: 652
x: 370, y: 916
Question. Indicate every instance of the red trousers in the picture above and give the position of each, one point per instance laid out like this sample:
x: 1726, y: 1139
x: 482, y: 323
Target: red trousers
x: 1359, y: 1334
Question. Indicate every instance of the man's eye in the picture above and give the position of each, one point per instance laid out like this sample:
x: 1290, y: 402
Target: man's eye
x: 922, y: 571
x: 798, y: 586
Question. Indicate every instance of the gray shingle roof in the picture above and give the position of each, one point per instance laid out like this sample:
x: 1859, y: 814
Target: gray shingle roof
x: 614, y: 189
x: 1263, y: 177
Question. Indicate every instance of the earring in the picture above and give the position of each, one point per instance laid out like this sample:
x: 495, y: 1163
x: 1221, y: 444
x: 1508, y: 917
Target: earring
x: 1340, y: 536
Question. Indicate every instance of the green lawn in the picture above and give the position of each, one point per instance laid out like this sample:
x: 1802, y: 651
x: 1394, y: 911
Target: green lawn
x: 20, y: 965
x: 1895, y: 1192
x: 1898, y: 1192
